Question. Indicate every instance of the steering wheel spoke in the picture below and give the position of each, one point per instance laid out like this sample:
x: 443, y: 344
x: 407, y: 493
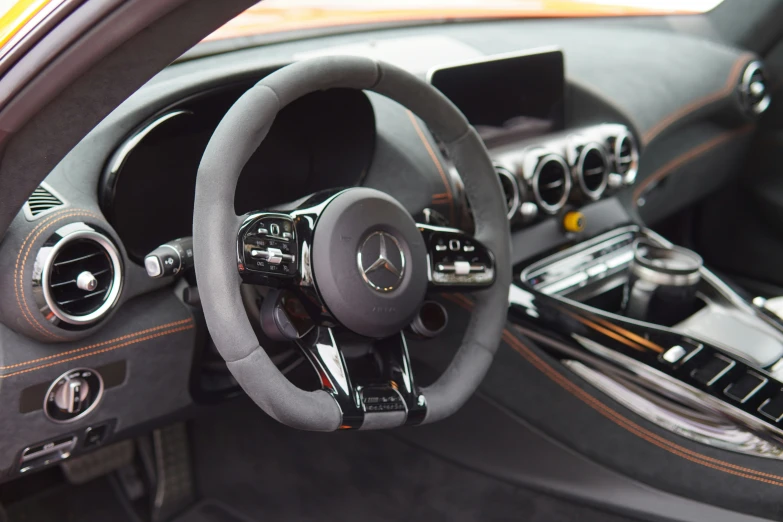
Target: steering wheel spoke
x: 388, y: 399
x: 457, y: 261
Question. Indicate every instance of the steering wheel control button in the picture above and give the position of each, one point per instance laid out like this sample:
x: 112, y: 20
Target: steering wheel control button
x: 464, y: 263
x: 73, y: 395
x: 713, y: 369
x: 745, y: 387
x: 772, y: 408
x: 381, y: 261
x: 266, y: 250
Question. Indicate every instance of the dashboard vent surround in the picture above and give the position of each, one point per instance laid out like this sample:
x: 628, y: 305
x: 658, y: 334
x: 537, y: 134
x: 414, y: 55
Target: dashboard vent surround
x: 42, y: 201
x: 592, y: 171
x: 510, y: 189
x: 626, y: 157
x: 551, y: 183
x: 753, y: 91
x: 81, y: 276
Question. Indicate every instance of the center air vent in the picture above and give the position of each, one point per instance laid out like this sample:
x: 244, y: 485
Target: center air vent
x: 592, y: 171
x: 551, y: 183
x: 510, y: 189
x: 80, y: 278
x: 626, y: 157
x: 753, y: 89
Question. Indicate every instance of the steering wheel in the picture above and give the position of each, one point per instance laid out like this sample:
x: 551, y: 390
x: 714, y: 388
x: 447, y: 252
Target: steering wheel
x: 347, y: 263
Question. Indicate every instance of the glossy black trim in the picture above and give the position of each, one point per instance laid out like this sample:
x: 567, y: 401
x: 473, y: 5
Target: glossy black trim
x: 644, y: 350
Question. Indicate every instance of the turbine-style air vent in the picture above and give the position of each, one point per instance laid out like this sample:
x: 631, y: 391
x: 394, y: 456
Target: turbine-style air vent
x: 551, y: 183
x: 510, y: 187
x: 592, y: 171
x: 753, y: 89
x: 80, y: 276
x: 626, y: 156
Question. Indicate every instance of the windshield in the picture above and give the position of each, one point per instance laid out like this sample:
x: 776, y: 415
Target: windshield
x: 275, y: 16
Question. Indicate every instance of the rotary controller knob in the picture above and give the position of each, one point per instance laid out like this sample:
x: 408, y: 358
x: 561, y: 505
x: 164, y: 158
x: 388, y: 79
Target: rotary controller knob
x: 73, y: 395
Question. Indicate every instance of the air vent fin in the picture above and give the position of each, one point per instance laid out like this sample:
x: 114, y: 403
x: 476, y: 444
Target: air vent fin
x: 78, y: 257
x: 42, y: 200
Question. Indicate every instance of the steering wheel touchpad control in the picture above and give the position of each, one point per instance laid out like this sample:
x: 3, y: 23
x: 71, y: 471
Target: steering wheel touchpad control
x: 457, y: 259
x: 268, y: 247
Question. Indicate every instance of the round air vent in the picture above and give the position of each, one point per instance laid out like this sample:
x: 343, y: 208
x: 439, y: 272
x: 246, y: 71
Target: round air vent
x: 753, y: 89
x: 551, y: 183
x: 626, y: 157
x: 510, y: 189
x: 592, y: 171
x: 78, y: 276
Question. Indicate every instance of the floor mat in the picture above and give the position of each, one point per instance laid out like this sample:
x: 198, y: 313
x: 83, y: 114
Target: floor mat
x: 91, y: 502
x: 210, y: 510
x: 266, y: 471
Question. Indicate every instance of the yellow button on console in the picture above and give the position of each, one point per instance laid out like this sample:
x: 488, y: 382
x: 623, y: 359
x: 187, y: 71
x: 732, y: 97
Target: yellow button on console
x: 574, y: 221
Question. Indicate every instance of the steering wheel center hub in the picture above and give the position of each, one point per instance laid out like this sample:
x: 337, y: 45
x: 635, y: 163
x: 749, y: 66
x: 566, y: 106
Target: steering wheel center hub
x: 369, y: 262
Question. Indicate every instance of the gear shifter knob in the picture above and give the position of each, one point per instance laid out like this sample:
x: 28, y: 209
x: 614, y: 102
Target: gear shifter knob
x: 661, y: 287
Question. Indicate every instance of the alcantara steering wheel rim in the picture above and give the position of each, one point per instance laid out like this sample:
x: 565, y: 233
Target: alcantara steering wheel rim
x: 215, y: 228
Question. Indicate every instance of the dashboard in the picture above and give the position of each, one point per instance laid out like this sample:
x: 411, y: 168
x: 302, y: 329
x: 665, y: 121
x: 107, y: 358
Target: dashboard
x: 321, y: 141
x: 604, y: 141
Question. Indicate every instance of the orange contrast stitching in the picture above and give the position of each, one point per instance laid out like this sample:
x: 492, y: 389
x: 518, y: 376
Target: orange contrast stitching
x: 727, y: 89
x: 19, y: 277
x: 629, y: 425
x: 621, y: 421
x: 96, y: 345
x: 104, y: 350
x: 436, y: 161
x: 684, y: 158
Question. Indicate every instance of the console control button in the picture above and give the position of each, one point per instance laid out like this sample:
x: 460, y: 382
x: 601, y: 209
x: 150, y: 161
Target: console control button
x: 673, y: 354
x: 73, y: 395
x: 713, y: 369
x: 745, y: 387
x: 95, y: 435
x: 772, y: 408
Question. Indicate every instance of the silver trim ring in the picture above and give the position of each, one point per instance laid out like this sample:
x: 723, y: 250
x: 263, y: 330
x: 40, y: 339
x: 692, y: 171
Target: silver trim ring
x: 551, y: 209
x: 506, y: 173
x: 579, y: 171
x: 629, y: 176
x: 116, y: 283
x: 745, y: 86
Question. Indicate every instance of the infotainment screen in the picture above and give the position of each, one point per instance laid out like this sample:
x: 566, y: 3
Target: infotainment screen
x: 508, y: 94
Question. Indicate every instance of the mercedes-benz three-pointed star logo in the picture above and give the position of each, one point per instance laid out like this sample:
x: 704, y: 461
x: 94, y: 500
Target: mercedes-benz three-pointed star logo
x: 381, y: 261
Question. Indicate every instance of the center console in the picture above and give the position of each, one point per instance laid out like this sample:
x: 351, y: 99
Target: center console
x: 646, y: 323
